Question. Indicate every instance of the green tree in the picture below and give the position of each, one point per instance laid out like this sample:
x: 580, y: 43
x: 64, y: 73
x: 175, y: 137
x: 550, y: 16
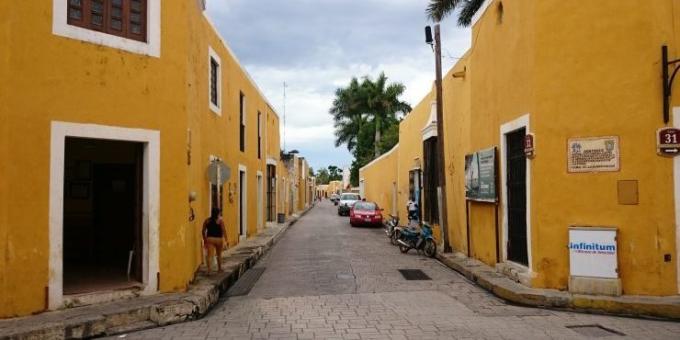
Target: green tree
x: 390, y: 138
x: 348, y: 109
x: 383, y: 103
x: 439, y: 9
x: 322, y: 176
x: 364, y: 116
x: 334, y: 173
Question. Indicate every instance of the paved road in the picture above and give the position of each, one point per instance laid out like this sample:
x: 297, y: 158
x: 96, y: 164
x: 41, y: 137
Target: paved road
x: 327, y: 280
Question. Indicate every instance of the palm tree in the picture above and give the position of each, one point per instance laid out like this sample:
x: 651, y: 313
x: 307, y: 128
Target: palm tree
x: 366, y: 105
x: 348, y: 114
x: 383, y: 103
x: 439, y: 9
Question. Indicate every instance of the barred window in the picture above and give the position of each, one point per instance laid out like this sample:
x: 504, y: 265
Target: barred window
x: 214, y: 71
x: 123, y: 18
x: 242, y: 122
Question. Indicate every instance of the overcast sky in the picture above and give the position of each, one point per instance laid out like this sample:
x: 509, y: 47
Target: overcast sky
x: 316, y: 46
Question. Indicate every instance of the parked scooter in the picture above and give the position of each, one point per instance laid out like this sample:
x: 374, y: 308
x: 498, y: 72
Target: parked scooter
x: 422, y: 241
x: 390, y: 229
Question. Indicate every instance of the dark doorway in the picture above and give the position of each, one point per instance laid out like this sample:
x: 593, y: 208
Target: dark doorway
x: 415, y: 189
x: 271, y: 193
x: 242, y: 202
x: 517, y: 197
x: 103, y: 247
x: 431, y: 181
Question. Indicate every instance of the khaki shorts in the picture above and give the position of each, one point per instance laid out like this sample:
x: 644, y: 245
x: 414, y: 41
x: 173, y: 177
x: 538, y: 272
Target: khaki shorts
x: 214, y: 244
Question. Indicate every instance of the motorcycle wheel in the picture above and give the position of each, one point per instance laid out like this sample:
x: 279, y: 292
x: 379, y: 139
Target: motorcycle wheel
x: 394, y: 238
x: 430, y: 249
x: 404, y: 249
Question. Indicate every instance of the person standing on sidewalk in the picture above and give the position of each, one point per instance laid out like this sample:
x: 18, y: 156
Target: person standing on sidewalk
x: 214, y: 238
x: 412, y: 208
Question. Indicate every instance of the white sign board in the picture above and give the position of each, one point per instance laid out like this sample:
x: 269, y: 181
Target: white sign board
x: 593, y: 252
x: 598, y: 154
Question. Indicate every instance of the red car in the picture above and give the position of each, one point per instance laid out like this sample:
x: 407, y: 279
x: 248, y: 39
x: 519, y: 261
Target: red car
x: 365, y: 213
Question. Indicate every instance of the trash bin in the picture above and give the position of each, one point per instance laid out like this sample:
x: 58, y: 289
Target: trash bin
x: 281, y: 218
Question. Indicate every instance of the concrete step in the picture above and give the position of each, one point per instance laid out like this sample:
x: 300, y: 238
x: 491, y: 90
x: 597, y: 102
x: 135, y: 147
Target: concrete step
x: 132, y: 327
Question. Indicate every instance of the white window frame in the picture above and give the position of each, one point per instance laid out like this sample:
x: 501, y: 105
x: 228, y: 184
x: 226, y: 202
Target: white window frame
x: 212, y: 55
x: 261, y: 196
x: 243, y: 206
x: 245, y: 110
x: 152, y: 46
x: 243, y: 100
x: 150, y: 200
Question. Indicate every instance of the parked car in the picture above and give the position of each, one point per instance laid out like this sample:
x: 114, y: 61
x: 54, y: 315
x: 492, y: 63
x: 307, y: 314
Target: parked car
x: 365, y: 213
x: 347, y: 200
x: 335, y: 198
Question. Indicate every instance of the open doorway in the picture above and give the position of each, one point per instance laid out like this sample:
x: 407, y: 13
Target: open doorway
x: 102, y: 215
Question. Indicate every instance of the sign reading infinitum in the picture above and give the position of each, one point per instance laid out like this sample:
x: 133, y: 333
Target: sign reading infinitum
x: 480, y: 176
x: 593, y: 252
x: 598, y: 154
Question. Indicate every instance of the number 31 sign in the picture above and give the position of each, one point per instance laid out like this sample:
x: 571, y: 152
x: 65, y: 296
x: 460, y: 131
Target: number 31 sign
x: 668, y: 142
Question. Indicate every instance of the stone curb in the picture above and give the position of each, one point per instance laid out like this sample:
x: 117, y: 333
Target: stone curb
x: 507, y: 289
x: 150, y: 311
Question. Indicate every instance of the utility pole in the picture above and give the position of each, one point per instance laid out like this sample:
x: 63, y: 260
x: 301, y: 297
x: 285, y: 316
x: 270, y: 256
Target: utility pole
x: 284, y: 115
x: 440, y: 138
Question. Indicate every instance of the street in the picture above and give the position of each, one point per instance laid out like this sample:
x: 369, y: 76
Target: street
x: 327, y: 280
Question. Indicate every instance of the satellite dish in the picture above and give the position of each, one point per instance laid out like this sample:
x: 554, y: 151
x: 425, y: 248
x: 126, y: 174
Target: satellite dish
x: 218, y: 173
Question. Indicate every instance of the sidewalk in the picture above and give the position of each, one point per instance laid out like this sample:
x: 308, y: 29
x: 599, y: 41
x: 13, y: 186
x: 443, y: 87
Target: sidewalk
x: 149, y: 311
x: 503, y: 287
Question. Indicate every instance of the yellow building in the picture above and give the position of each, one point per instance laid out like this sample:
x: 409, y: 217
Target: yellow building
x: 335, y: 187
x: 584, y: 80
x: 109, y: 130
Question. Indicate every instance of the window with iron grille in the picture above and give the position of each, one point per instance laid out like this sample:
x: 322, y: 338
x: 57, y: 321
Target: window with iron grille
x: 242, y: 122
x: 259, y: 135
x: 123, y: 18
x: 214, y: 78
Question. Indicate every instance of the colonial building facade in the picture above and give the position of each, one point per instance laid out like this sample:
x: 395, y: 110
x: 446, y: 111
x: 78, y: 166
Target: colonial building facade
x: 555, y: 132
x: 122, y: 124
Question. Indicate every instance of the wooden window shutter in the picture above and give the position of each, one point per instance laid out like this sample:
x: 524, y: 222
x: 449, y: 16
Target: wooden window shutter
x: 123, y: 18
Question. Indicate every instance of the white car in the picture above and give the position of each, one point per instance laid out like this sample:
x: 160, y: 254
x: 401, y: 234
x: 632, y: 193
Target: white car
x: 347, y: 200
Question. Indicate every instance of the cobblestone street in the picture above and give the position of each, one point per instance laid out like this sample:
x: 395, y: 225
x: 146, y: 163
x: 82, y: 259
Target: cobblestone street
x: 327, y: 280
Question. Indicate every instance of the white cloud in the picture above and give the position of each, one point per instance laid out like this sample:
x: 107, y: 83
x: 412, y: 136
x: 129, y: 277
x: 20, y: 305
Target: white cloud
x: 316, y: 46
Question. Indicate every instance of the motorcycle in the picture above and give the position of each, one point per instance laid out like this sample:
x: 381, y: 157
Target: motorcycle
x: 391, y: 227
x: 422, y: 241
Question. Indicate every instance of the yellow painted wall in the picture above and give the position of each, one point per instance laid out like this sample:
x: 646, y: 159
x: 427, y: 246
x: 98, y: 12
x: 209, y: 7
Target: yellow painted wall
x: 562, y: 65
x: 302, y: 177
x: 379, y: 178
x: 4, y: 145
x: 334, y: 187
x: 609, y: 85
x: 457, y: 134
x: 283, y: 187
x: 106, y: 86
x: 410, y: 151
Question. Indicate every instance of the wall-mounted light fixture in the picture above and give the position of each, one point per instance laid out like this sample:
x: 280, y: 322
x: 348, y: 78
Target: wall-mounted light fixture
x: 667, y: 82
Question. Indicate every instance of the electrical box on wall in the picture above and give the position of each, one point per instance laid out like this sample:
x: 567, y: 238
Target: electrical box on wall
x: 593, y: 261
